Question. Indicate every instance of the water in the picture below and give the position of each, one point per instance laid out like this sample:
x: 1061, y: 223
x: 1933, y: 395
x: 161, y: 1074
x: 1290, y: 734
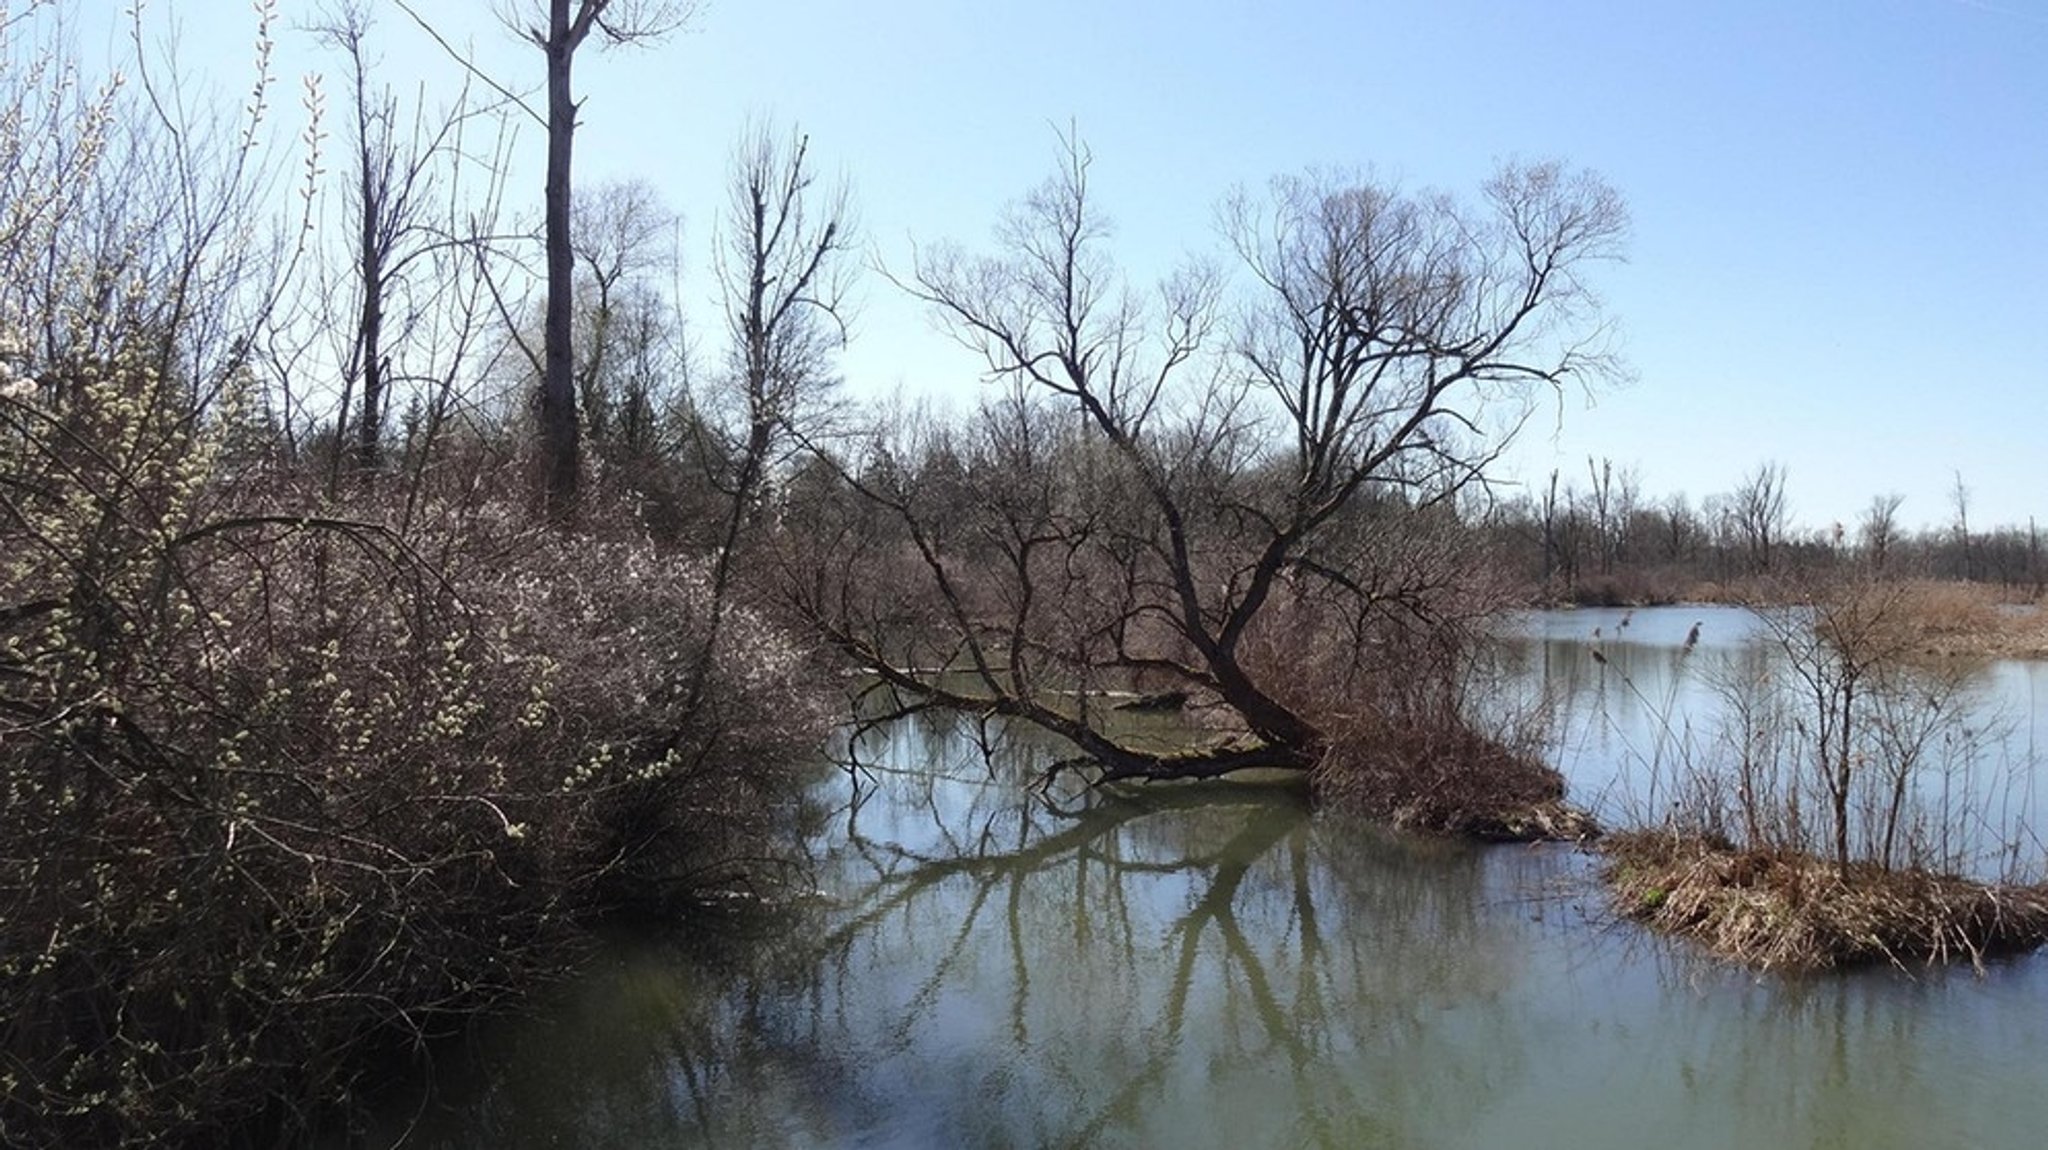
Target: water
x: 1218, y: 967
x: 1643, y: 722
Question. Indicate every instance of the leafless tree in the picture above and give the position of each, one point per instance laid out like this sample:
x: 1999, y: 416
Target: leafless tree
x: 784, y: 273
x: 1959, y: 498
x: 1866, y: 713
x: 398, y: 173
x: 1613, y: 498
x: 1681, y: 527
x: 1207, y: 492
x: 1879, y: 529
x: 1559, y: 548
x: 1759, y: 513
x: 622, y: 239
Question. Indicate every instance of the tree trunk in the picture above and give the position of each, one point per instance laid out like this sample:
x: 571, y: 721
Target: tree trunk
x: 370, y: 324
x: 558, y: 428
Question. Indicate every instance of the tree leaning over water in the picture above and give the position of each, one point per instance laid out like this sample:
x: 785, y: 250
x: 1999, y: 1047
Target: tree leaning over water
x: 1246, y: 508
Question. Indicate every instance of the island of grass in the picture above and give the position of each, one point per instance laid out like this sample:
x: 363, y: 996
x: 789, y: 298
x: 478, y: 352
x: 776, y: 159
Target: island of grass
x: 1823, y: 840
x: 1787, y: 910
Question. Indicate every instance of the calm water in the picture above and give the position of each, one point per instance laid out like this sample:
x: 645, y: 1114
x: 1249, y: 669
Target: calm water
x: 1219, y: 967
x: 1634, y: 727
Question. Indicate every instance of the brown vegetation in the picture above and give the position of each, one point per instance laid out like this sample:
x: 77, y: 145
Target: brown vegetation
x: 1972, y: 621
x: 1447, y: 780
x: 1160, y: 500
x: 1814, y: 839
x: 1792, y: 911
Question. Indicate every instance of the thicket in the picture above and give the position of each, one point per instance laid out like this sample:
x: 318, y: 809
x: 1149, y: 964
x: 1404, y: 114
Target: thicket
x: 310, y: 751
x: 286, y: 787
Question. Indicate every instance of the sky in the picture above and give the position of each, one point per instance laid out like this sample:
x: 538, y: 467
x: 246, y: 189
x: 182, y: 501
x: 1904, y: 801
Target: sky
x: 1839, y: 253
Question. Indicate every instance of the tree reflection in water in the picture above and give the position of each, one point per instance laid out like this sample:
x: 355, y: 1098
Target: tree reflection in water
x: 1209, y: 966
x: 1199, y: 964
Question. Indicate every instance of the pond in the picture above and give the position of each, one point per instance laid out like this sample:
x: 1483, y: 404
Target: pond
x: 1217, y: 966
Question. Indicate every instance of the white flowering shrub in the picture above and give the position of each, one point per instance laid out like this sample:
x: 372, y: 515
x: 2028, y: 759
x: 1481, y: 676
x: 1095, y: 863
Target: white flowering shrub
x: 286, y: 777
x: 278, y: 782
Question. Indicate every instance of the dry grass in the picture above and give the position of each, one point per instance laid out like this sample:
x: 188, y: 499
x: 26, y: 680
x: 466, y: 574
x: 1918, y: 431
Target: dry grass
x: 1788, y: 911
x: 1970, y: 620
x: 1937, y: 617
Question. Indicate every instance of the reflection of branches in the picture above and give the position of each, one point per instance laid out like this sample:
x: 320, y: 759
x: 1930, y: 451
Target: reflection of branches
x: 928, y: 869
x: 1096, y: 837
x: 1001, y: 973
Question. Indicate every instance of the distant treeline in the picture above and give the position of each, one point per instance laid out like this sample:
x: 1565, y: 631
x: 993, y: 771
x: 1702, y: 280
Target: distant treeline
x: 1603, y: 540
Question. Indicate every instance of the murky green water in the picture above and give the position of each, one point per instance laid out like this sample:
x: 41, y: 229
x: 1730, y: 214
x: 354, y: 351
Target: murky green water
x: 1220, y: 968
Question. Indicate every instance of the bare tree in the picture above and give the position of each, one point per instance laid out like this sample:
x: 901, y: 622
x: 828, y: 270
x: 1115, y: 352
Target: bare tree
x: 1759, y: 513
x: 559, y: 33
x: 1959, y: 498
x: 783, y: 270
x: 1213, y: 497
x: 1866, y: 712
x: 1681, y: 527
x: 1879, y: 529
x: 619, y: 242
x: 784, y: 273
x: 2035, y: 574
x: 1559, y: 546
x: 397, y: 174
x: 1613, y: 504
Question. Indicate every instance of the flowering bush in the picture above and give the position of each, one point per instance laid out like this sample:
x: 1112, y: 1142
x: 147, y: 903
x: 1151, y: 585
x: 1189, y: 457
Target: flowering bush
x: 289, y: 772
x: 277, y: 784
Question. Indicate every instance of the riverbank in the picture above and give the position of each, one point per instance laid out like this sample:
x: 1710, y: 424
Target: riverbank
x: 1790, y: 911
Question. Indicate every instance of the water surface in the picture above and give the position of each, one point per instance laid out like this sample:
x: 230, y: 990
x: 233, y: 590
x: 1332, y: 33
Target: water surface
x: 1217, y: 966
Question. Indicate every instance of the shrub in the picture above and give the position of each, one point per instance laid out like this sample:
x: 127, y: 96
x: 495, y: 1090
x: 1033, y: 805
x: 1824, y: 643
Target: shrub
x: 1392, y: 690
x: 284, y: 784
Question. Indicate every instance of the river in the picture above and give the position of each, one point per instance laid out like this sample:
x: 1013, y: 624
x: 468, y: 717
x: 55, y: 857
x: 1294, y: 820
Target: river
x: 974, y: 965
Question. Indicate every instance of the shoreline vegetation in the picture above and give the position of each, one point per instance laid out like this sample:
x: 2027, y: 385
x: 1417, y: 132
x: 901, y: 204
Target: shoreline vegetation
x: 1452, y: 782
x: 1964, y: 620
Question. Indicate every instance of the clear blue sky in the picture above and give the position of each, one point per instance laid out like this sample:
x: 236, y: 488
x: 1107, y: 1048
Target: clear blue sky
x: 1840, y: 252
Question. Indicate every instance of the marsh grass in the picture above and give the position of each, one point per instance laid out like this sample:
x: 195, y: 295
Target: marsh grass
x: 1785, y: 910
